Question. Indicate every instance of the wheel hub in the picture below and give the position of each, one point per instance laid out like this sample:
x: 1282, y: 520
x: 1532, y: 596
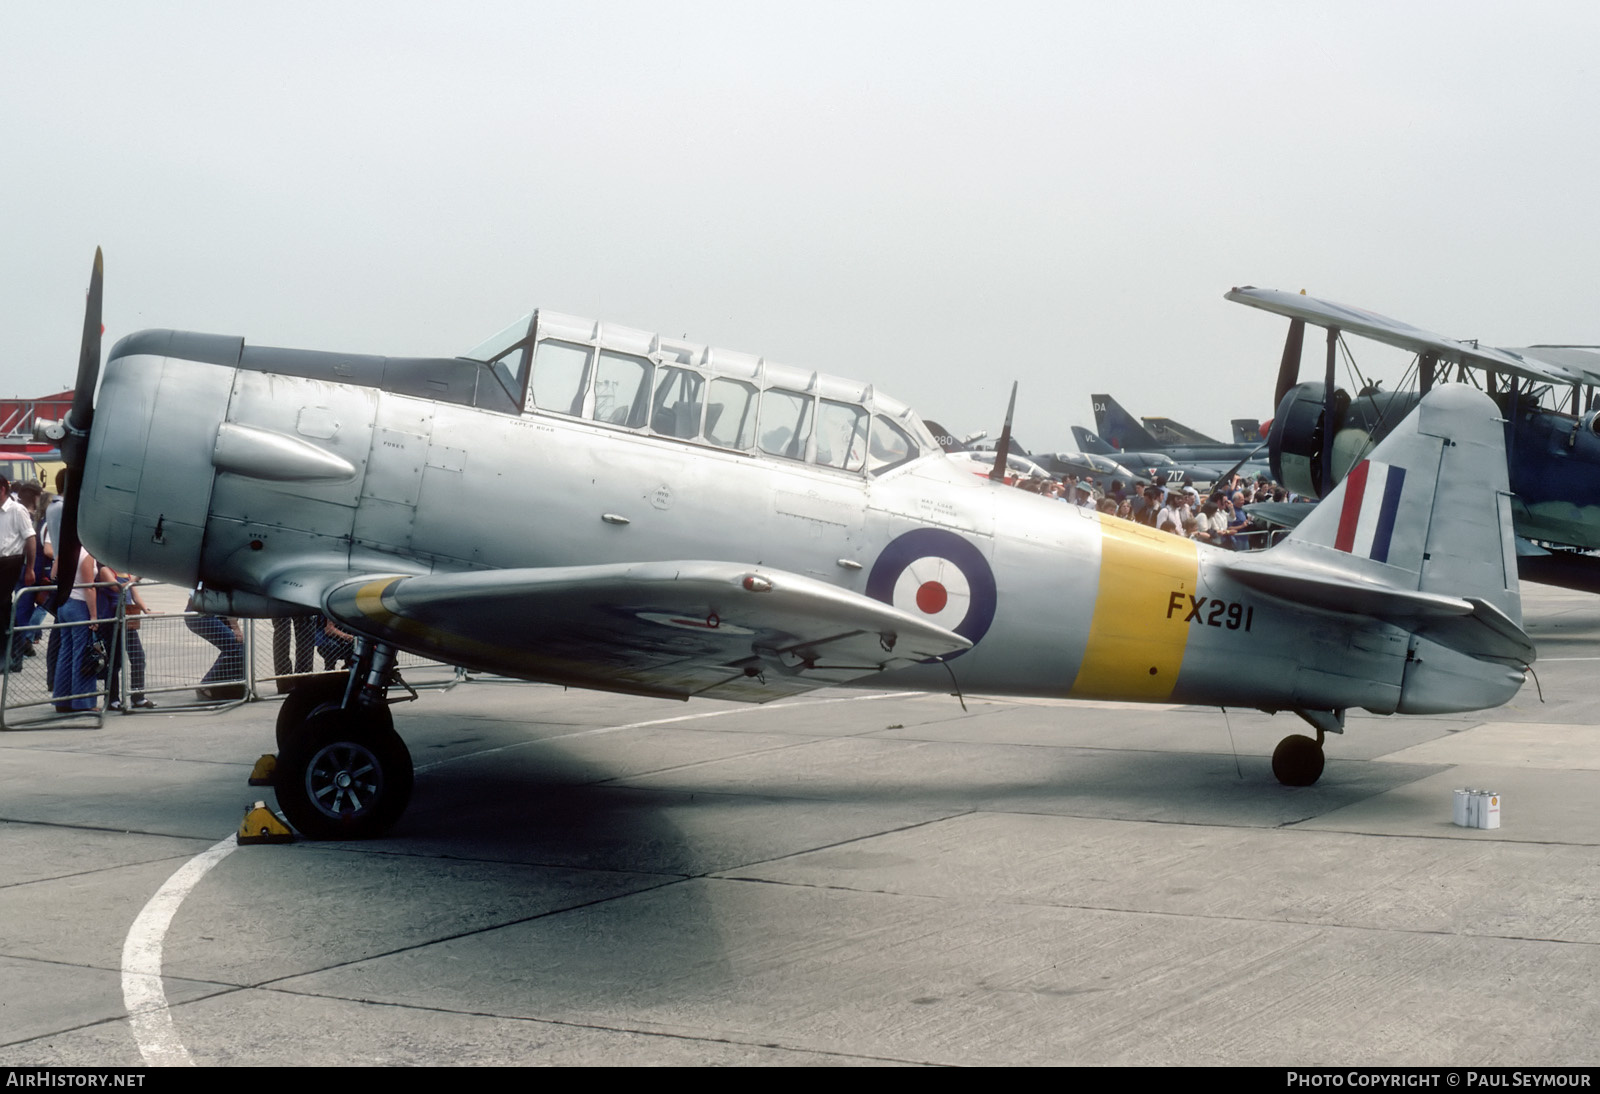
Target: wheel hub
x: 344, y: 779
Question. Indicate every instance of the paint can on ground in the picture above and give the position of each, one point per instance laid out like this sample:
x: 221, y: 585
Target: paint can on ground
x: 1477, y: 808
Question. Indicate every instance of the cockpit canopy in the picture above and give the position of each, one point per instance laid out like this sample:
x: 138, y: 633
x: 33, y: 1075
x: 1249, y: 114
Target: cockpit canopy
x: 558, y: 364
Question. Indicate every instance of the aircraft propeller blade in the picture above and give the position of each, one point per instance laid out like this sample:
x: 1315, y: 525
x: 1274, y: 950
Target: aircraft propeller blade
x: 1003, y: 449
x: 75, y: 444
x: 1289, y: 366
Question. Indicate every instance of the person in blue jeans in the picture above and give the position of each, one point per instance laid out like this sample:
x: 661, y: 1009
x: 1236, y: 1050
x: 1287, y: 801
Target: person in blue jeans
x: 223, y: 680
x: 74, y: 685
x: 134, y: 610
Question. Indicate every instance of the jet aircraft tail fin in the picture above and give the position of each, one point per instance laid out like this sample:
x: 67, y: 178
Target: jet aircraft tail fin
x: 947, y: 440
x: 1172, y: 431
x: 1418, y: 535
x: 1090, y: 442
x: 1121, y: 429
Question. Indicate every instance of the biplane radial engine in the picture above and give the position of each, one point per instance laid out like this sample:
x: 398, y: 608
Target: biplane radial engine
x: 589, y: 505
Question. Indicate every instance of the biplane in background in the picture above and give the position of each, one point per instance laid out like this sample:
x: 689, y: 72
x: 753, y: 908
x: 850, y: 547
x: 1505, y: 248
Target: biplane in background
x: 589, y: 505
x: 1545, y: 394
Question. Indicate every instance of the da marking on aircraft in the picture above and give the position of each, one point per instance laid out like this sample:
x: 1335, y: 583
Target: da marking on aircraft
x: 589, y: 505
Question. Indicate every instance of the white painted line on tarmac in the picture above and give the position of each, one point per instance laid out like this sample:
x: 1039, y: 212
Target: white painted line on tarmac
x: 599, y: 730
x: 142, y: 992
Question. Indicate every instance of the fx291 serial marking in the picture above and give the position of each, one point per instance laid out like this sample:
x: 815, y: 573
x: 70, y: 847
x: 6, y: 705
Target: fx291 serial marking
x: 1211, y: 611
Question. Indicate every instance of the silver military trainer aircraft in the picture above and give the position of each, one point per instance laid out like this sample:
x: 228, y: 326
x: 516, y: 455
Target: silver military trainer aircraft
x: 595, y: 506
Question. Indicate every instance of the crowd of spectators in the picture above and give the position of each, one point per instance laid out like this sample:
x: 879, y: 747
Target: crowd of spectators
x: 1219, y: 517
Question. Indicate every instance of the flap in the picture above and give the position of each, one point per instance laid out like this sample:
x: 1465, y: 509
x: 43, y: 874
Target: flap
x: 670, y: 629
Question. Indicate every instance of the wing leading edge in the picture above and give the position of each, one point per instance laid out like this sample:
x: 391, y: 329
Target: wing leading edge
x: 669, y: 629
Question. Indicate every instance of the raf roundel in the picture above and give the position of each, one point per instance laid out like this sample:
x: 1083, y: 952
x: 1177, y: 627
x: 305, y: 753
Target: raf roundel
x: 938, y: 576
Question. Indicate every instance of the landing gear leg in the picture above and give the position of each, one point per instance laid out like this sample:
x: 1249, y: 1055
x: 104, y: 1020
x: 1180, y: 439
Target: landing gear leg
x: 343, y: 772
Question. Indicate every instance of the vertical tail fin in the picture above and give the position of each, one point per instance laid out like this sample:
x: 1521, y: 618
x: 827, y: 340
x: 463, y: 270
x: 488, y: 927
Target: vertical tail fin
x: 1090, y: 442
x: 1429, y: 510
x: 1118, y: 427
x: 1419, y: 537
x: 1172, y: 431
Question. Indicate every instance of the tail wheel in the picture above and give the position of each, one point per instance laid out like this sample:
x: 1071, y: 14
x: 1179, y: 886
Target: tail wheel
x: 1297, y: 761
x: 347, y: 775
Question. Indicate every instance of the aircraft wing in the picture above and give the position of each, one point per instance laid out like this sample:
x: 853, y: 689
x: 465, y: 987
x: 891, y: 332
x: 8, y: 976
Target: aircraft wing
x: 1583, y: 360
x: 1325, y: 313
x: 670, y: 629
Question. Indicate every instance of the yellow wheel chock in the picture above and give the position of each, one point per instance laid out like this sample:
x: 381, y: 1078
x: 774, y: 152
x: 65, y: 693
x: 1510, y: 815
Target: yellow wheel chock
x: 264, y: 773
x: 261, y: 825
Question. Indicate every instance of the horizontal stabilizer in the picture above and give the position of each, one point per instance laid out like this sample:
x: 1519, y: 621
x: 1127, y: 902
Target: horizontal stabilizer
x: 1469, y: 625
x: 671, y: 629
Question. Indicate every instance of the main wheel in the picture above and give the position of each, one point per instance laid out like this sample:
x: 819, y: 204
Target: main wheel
x: 309, y: 696
x: 1297, y: 761
x: 345, y: 776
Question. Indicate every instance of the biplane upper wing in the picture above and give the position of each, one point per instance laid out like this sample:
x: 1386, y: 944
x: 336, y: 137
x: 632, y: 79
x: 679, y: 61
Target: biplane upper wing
x: 1583, y: 360
x: 1526, y: 363
x: 670, y: 629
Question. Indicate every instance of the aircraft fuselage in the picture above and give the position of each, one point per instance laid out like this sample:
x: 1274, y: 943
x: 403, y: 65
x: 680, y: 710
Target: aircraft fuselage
x: 243, y: 478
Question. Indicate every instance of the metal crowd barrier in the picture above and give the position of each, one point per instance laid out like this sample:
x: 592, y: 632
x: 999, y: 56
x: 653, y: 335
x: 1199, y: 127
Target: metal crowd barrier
x: 162, y: 662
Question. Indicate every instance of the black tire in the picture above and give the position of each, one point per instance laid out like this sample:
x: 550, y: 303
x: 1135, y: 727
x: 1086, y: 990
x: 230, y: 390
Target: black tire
x: 345, y: 776
x: 313, y: 692
x: 1297, y: 761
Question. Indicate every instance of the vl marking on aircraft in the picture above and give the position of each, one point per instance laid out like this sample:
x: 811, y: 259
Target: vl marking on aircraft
x: 584, y: 504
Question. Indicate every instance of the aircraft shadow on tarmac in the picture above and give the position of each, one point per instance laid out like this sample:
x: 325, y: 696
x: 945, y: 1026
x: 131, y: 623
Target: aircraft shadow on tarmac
x: 541, y: 804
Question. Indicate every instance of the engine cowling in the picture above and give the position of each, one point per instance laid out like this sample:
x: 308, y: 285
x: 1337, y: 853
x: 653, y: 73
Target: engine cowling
x: 1295, y: 441
x: 1294, y: 444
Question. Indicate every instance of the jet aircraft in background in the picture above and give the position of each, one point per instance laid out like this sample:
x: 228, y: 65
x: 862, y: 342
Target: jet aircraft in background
x: 1247, y: 431
x: 1156, y: 466
x: 589, y: 505
x: 1118, y: 429
x: 1168, y: 431
x: 1546, y: 395
x: 1171, y: 431
x: 1082, y: 465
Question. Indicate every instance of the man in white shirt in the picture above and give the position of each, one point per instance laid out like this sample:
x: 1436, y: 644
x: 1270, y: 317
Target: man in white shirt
x: 17, y: 544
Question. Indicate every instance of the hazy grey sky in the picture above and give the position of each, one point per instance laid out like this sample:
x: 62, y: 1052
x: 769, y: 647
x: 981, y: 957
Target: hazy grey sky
x: 937, y: 198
